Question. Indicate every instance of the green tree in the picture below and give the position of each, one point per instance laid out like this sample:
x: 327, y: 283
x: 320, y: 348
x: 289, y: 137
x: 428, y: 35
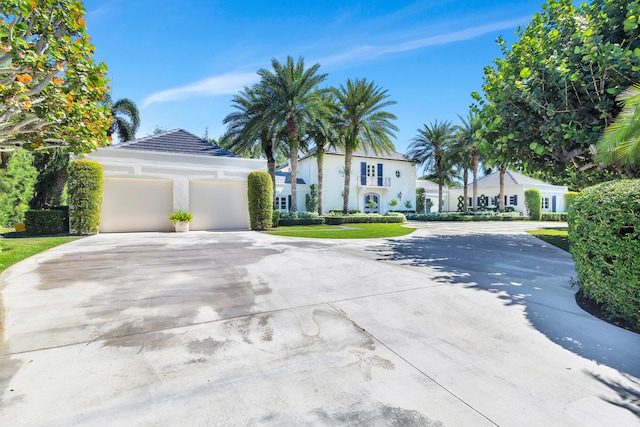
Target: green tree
x: 51, y: 90
x: 430, y: 149
x: 288, y: 100
x: 363, y: 122
x: 126, y: 118
x: 620, y: 144
x: 51, y: 166
x: 552, y: 93
x: 16, y: 188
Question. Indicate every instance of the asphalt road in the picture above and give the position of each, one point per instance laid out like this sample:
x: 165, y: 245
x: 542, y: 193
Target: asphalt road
x: 455, y: 325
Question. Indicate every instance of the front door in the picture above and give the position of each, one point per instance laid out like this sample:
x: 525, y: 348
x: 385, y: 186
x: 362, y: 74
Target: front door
x: 371, y: 203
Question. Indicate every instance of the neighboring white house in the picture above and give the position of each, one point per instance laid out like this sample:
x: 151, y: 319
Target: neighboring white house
x: 431, y: 194
x: 515, y: 184
x: 149, y: 178
x: 376, y: 178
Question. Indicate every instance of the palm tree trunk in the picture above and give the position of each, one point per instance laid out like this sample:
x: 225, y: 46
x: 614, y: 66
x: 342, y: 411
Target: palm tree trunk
x: 503, y: 169
x: 475, y: 160
x: 4, y: 160
x: 465, y: 178
x: 271, y: 166
x: 440, y: 185
x: 348, y: 152
x: 320, y: 154
x: 293, y: 155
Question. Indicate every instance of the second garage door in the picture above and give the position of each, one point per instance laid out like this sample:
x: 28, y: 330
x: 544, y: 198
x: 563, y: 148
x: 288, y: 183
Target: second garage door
x: 218, y: 205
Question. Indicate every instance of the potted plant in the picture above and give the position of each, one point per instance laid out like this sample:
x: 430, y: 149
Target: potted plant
x: 181, y: 220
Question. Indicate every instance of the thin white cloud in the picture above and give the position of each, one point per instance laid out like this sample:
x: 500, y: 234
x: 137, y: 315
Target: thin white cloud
x: 223, y: 84
x: 363, y: 53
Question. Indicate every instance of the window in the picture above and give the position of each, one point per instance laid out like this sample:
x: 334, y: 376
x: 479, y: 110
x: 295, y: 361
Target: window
x: 397, y: 174
x: 371, y: 170
x: 281, y: 203
x: 545, y: 203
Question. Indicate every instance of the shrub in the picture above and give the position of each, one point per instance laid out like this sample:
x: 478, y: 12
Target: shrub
x: 85, y: 186
x: 568, y: 198
x: 311, y: 199
x: 44, y: 221
x: 339, y: 211
x: 365, y: 219
x: 260, y: 194
x: 554, y: 216
x: 302, y: 221
x: 533, y: 202
x: 467, y: 216
x: 275, y: 218
x: 181, y: 216
x: 421, y: 200
x: 604, y: 240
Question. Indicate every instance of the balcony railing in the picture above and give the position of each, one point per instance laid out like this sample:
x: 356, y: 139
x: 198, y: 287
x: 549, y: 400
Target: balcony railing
x: 374, y: 181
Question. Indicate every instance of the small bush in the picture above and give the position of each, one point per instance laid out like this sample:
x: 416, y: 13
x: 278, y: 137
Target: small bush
x: 85, y: 186
x: 421, y: 200
x: 260, y: 195
x: 275, y: 218
x: 568, y: 198
x: 533, y: 202
x: 181, y: 216
x: 553, y: 216
x: 604, y: 240
x: 40, y: 222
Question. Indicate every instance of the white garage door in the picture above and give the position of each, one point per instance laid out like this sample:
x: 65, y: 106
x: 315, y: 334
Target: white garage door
x: 136, y: 204
x: 218, y: 205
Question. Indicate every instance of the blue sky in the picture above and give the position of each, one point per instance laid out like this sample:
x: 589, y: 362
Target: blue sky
x: 181, y: 61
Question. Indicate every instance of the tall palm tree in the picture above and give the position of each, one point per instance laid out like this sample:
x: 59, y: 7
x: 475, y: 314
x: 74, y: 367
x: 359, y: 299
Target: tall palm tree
x: 363, y: 122
x: 467, y: 136
x: 620, y: 143
x: 249, y: 134
x: 287, y: 100
x: 430, y: 149
x: 322, y: 131
x: 126, y: 118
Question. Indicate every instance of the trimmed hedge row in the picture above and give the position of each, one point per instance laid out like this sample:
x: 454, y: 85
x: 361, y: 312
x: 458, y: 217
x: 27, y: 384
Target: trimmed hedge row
x: 604, y: 240
x: 85, y: 188
x: 302, y: 221
x: 468, y: 216
x: 554, y: 216
x: 364, y: 219
x: 40, y: 222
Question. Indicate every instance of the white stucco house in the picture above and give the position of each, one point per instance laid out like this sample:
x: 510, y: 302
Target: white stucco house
x: 515, y: 184
x: 431, y: 194
x: 378, y: 178
x: 147, y: 179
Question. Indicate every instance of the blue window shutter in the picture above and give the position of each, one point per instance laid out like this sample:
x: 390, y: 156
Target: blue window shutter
x: 289, y: 201
x: 363, y: 173
x: 515, y: 200
x: 379, y: 174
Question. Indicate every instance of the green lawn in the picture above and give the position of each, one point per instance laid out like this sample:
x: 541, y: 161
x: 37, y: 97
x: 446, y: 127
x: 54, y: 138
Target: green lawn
x: 347, y: 231
x: 555, y: 236
x: 13, y: 250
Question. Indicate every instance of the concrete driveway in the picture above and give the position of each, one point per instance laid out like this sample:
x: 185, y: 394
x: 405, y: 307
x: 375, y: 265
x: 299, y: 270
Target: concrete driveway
x: 456, y: 325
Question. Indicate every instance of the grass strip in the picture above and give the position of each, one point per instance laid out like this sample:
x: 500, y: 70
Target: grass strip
x: 14, y: 250
x: 351, y: 231
x: 558, y: 237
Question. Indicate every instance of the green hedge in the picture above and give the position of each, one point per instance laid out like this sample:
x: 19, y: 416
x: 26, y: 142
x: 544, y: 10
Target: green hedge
x: 553, y: 216
x: 533, y: 202
x: 85, y: 186
x: 275, y: 218
x: 604, y: 239
x: 364, y: 219
x: 302, y: 221
x: 260, y: 194
x: 568, y: 199
x: 41, y: 222
x: 339, y: 212
x: 468, y: 216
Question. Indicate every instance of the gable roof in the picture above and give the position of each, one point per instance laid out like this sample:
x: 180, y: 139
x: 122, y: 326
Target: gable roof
x: 428, y: 185
x: 510, y: 178
x: 177, y: 141
x: 361, y: 152
x: 287, y: 177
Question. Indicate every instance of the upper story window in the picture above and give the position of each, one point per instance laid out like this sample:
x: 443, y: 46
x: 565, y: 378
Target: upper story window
x: 371, y: 170
x: 397, y: 174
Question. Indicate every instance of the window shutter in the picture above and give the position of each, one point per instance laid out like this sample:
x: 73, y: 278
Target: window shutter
x: 379, y: 174
x: 363, y: 173
x: 515, y: 200
x: 289, y: 201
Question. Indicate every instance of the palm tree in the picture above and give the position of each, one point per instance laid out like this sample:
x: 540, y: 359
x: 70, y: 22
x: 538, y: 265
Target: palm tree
x: 249, y: 134
x: 126, y: 118
x: 323, y: 132
x: 620, y: 143
x: 467, y: 136
x: 363, y: 121
x: 429, y: 148
x: 287, y: 101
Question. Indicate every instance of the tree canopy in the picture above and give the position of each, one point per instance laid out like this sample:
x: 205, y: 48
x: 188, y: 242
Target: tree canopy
x: 51, y: 89
x: 547, y: 100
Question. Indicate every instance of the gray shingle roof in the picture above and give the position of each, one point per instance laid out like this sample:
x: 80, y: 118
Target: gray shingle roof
x: 177, y: 141
x: 510, y: 178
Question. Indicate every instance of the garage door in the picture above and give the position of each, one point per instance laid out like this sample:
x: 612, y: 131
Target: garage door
x: 136, y: 204
x: 218, y: 205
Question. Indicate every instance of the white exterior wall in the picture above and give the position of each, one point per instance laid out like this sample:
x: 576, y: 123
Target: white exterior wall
x: 548, y: 191
x: 122, y: 166
x: 333, y: 182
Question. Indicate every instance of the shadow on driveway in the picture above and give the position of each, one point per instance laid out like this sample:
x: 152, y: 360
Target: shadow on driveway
x: 522, y: 270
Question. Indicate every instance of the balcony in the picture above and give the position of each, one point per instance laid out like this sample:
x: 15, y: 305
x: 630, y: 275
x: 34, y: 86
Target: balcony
x: 374, y: 181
